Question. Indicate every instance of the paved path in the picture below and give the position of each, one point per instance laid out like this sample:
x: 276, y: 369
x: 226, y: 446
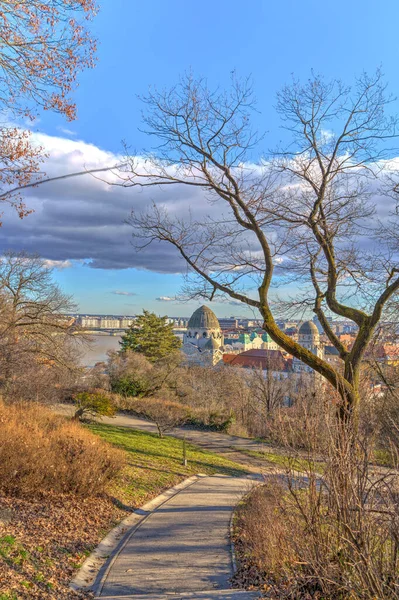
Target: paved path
x: 182, y: 550
x: 230, y: 446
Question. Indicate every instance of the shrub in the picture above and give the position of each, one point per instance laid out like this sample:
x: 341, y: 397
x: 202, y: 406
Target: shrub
x: 93, y: 404
x: 131, y: 386
x: 42, y: 452
x: 331, y: 537
x: 166, y: 414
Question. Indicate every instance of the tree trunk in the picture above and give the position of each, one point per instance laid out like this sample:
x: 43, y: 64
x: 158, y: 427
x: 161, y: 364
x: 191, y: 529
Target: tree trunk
x: 78, y: 414
x: 349, y: 407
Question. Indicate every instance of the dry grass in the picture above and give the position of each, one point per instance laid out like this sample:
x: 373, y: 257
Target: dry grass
x: 263, y: 540
x: 42, y: 452
x: 331, y: 538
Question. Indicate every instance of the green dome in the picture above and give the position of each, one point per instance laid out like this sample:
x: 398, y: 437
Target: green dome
x: 244, y: 338
x: 266, y: 338
x: 253, y: 335
x: 203, y: 318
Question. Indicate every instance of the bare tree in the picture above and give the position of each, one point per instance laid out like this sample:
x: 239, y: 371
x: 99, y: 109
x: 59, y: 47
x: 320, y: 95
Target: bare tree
x: 269, y: 391
x: 305, y: 211
x: 35, y: 333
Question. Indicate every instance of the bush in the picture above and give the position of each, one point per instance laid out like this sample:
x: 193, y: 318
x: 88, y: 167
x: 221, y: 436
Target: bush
x: 166, y: 414
x: 42, y: 452
x: 131, y: 386
x: 331, y: 537
x: 263, y: 536
x: 93, y: 404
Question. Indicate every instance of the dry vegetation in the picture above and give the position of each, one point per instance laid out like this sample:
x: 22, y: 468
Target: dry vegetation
x: 330, y: 536
x: 41, y: 452
x: 53, y: 504
x: 44, y: 541
x: 61, y: 488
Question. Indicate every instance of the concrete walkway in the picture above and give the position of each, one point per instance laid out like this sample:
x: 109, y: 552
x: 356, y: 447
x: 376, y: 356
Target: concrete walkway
x: 182, y: 550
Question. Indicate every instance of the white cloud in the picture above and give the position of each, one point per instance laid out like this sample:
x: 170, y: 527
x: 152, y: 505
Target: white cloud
x: 166, y: 299
x: 67, y: 131
x: 84, y: 218
x: 122, y: 293
x: 58, y: 264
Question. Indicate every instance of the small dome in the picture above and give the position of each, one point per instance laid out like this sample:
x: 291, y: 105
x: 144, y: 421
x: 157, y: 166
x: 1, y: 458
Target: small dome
x: 253, y: 335
x: 266, y: 338
x: 308, y: 328
x: 203, y: 318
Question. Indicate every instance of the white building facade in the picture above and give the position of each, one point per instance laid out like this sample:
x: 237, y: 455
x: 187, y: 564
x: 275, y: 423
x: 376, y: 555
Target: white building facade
x: 309, y: 338
x: 203, y: 341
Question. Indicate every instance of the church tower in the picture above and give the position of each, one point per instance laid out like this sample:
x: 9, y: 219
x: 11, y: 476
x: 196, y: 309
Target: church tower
x: 204, y: 336
x: 309, y: 338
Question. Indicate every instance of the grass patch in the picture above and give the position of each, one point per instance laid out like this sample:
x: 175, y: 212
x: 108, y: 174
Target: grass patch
x: 383, y: 458
x: 155, y: 464
x: 302, y: 465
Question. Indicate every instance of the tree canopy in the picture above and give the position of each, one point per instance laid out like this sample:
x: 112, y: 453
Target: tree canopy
x: 151, y: 336
x: 44, y: 44
x: 299, y: 214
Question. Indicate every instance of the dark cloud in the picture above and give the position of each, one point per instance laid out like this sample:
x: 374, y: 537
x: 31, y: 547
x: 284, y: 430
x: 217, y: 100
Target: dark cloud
x: 84, y: 218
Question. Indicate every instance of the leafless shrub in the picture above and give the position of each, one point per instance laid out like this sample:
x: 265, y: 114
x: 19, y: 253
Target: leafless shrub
x: 337, y: 524
x: 39, y: 347
x: 165, y: 413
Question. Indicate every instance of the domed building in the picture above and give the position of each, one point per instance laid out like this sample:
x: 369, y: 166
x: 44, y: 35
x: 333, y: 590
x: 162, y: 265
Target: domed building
x: 309, y: 338
x: 204, y: 338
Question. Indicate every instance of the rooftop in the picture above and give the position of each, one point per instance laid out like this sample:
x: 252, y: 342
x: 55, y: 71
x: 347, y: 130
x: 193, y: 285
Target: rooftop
x: 203, y: 318
x: 308, y: 328
x: 265, y: 359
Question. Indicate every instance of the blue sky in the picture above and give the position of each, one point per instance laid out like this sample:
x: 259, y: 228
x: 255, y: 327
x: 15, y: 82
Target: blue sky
x: 142, y: 44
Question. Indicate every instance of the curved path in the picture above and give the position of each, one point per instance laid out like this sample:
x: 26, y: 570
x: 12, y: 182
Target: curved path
x: 182, y: 549
x: 231, y: 446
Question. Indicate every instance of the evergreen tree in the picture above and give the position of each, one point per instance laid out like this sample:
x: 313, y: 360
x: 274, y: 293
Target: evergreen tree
x: 150, y: 335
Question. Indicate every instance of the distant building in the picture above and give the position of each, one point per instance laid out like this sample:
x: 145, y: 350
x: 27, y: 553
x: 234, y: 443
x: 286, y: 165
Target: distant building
x: 228, y: 324
x: 309, y: 338
x: 347, y: 340
x: 203, y: 339
x: 104, y: 322
x: 242, y: 342
x: 384, y: 353
x: 109, y: 323
x: 90, y: 322
x: 267, y: 360
x: 331, y: 355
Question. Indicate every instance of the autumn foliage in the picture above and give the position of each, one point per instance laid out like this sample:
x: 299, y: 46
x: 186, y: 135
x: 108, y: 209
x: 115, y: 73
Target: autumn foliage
x: 44, y: 44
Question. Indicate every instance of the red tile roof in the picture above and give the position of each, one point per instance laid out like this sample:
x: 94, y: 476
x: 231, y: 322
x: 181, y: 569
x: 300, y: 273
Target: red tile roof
x: 266, y: 359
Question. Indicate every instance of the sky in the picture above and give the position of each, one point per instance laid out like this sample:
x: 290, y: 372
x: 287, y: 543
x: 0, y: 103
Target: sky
x: 80, y: 224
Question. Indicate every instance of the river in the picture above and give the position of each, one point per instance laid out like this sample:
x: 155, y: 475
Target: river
x: 97, y: 350
x: 99, y: 345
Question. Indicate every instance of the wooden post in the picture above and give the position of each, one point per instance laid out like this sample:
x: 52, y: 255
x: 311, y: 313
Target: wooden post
x: 184, y: 451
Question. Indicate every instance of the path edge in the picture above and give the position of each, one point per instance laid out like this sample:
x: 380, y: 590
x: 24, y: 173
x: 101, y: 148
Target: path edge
x: 93, y: 572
